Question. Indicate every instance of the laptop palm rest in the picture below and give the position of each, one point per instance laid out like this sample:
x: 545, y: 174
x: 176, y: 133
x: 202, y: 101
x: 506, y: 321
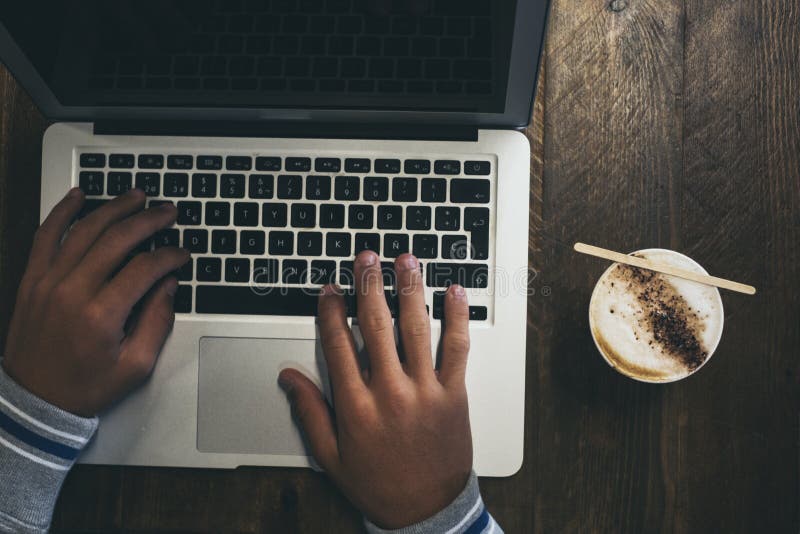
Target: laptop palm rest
x: 241, y: 408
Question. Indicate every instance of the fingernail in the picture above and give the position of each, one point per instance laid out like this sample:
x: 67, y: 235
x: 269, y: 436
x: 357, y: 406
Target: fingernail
x: 167, y: 206
x: 285, y: 383
x: 331, y: 289
x: 171, y: 286
x: 457, y: 291
x: 367, y: 258
x: 74, y: 192
x: 408, y: 262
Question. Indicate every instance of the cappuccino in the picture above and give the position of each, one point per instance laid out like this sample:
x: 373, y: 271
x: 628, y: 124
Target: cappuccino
x: 654, y: 327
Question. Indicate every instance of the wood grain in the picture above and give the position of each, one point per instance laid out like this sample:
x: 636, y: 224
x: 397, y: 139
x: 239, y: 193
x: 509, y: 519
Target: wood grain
x: 670, y: 123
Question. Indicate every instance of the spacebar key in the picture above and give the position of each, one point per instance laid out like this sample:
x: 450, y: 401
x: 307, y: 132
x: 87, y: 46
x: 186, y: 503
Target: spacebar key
x: 245, y: 300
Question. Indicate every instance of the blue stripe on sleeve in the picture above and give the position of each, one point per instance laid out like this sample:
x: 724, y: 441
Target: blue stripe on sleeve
x: 35, y: 440
x: 479, y: 524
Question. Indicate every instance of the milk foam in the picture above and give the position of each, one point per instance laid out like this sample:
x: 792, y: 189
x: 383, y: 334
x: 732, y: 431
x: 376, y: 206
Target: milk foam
x: 620, y: 325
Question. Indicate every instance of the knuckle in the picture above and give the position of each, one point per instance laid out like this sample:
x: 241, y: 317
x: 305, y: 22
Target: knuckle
x: 140, y: 368
x: 416, y: 328
x: 457, y: 343
x: 95, y: 317
x: 376, y: 323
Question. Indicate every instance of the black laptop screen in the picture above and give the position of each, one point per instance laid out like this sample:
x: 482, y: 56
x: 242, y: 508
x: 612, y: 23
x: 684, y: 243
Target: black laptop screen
x: 429, y: 55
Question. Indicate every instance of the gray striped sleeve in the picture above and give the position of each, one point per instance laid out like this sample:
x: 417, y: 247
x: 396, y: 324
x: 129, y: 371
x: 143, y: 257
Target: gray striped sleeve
x: 39, y: 443
x: 466, y: 514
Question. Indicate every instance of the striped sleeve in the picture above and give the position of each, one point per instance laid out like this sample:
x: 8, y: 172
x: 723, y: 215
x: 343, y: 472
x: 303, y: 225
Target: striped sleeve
x: 465, y: 515
x: 38, y: 445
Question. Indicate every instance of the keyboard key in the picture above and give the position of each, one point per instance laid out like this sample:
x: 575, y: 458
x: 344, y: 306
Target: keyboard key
x: 476, y: 219
x: 245, y: 214
x: 262, y: 185
x: 237, y: 270
x: 390, y: 217
x: 438, y: 304
x: 149, y: 182
x: 168, y: 237
x: 426, y: 246
x: 251, y: 242
x: 231, y: 186
x: 417, y: 166
x: 465, y: 274
x: 455, y: 247
x: 218, y: 214
x: 189, y: 213
x: 327, y: 165
x: 304, y: 215
x: 204, y: 185
x: 151, y: 161
x: 388, y: 166
x: 469, y: 191
x: 274, y: 215
x: 338, y: 245
x: 404, y: 190
x: 358, y: 166
x: 265, y: 271
x: 209, y: 269
x: 176, y: 184
x: 119, y: 183
x: 180, y: 162
x: 322, y: 272
x: 185, y: 272
x: 478, y: 313
x: 195, y: 241
x: 376, y: 188
x: 183, y: 299
x: 209, y: 163
x: 418, y: 218
x: 91, y: 182
x: 480, y: 245
x: 268, y: 164
x: 298, y: 164
x: 121, y: 161
x: 318, y: 187
x: 448, y: 218
x: 367, y: 242
x: 294, y: 272
x: 241, y: 300
x: 281, y: 243
x: 434, y: 189
x: 238, y: 163
x: 290, y: 186
x: 387, y: 270
x: 93, y: 161
x: 331, y: 216
x: 477, y: 168
x: 395, y: 244
x: 309, y: 243
x: 223, y: 242
x: 360, y: 216
x: 347, y: 188
x: 447, y: 167
x: 346, y: 273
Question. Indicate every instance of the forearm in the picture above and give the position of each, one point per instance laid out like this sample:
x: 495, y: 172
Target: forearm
x: 38, y: 445
x: 466, y: 514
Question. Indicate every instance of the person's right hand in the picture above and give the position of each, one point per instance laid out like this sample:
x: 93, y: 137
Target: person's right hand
x: 399, y: 443
x: 75, y: 340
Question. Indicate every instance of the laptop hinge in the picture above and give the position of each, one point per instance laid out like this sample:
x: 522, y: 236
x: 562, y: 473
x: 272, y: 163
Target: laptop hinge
x: 422, y: 132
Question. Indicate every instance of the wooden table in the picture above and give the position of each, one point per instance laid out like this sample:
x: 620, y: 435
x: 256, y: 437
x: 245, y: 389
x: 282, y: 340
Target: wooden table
x: 659, y: 123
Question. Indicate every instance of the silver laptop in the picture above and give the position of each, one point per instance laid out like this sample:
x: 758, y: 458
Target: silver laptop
x: 292, y: 134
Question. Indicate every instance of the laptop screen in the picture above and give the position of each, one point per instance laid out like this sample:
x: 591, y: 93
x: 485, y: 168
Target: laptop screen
x: 391, y: 55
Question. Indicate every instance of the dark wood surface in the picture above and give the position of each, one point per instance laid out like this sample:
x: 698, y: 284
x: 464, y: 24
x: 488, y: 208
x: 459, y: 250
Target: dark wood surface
x: 671, y: 123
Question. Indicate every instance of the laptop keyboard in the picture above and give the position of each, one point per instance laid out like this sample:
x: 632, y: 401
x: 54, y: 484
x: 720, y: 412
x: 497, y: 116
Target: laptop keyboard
x: 267, y: 231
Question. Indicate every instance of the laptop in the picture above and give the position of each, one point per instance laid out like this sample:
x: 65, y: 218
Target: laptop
x: 292, y: 134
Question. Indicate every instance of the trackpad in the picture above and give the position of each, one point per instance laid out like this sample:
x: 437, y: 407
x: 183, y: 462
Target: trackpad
x: 241, y: 408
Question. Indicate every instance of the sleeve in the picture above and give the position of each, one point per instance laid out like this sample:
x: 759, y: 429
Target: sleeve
x: 38, y: 445
x: 465, y: 515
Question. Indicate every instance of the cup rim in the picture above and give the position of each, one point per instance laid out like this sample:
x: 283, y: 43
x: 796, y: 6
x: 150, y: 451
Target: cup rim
x: 712, y: 350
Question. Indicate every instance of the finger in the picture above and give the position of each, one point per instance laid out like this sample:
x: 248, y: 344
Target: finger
x: 141, y: 347
x: 337, y: 342
x: 128, y: 287
x: 114, y: 245
x: 48, y: 237
x: 415, y: 327
x: 314, y: 417
x: 85, y: 232
x: 374, y: 317
x: 455, y: 339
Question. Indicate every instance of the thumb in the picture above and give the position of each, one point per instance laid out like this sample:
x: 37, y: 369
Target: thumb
x: 313, y: 415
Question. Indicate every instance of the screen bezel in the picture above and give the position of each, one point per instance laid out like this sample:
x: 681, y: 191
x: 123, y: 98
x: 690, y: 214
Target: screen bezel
x: 526, y: 51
